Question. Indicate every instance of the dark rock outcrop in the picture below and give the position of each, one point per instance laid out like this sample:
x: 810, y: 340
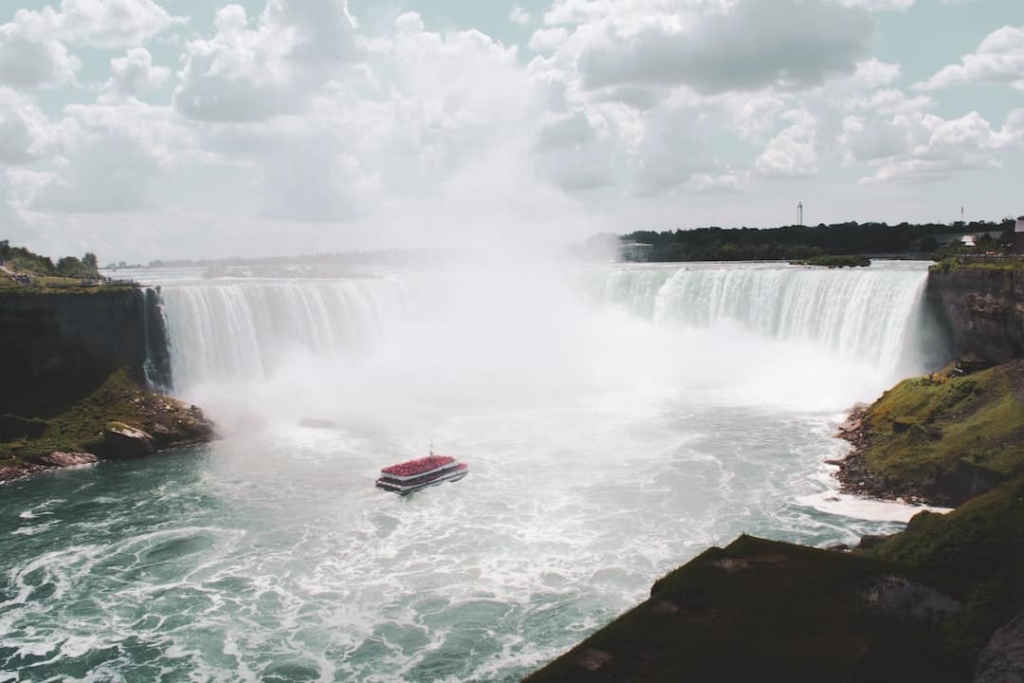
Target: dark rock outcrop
x: 983, y: 309
x: 763, y: 610
x: 1002, y: 660
x: 59, y: 347
x: 121, y: 442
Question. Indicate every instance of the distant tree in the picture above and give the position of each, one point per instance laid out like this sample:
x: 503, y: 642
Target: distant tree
x: 90, y: 263
x: 5, y: 250
x: 69, y: 266
x: 928, y: 245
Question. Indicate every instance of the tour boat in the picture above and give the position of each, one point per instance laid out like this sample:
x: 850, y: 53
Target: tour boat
x: 413, y: 475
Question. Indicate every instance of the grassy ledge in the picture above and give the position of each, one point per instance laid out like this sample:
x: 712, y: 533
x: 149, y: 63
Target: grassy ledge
x: 835, y: 261
x: 942, y: 438
x: 25, y: 442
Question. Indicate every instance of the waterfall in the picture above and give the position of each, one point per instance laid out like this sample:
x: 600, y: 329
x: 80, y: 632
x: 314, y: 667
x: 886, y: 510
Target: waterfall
x: 223, y: 331
x: 529, y: 325
x: 865, y: 314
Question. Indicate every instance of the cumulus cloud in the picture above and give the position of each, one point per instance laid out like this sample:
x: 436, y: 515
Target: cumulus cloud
x: 112, y: 156
x: 548, y: 39
x: 745, y: 45
x: 999, y: 60
x: 919, y: 147
x: 134, y: 74
x: 791, y: 153
x: 97, y: 23
x: 25, y: 132
x: 252, y: 74
x: 28, y: 61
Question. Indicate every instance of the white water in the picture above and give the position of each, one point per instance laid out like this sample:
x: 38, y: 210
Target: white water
x: 616, y: 421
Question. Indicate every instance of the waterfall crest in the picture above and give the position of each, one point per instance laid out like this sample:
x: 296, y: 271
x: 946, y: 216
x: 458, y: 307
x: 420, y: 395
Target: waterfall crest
x: 871, y: 314
x: 225, y: 331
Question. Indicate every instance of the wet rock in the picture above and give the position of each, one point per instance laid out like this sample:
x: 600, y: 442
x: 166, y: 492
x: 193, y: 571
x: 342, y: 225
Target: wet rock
x: 871, y: 541
x: 121, y: 442
x: 1002, y: 660
x: 62, y: 459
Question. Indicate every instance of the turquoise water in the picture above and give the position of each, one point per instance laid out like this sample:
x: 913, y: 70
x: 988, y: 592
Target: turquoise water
x: 270, y: 556
x: 274, y: 558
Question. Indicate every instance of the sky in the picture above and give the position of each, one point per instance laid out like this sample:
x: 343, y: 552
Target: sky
x: 146, y: 129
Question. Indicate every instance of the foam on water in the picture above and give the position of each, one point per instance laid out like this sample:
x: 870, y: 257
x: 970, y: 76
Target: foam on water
x: 613, y: 430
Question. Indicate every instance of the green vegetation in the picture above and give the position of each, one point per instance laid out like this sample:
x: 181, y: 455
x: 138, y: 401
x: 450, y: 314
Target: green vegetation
x: 30, y: 273
x: 79, y: 428
x: 977, y: 553
x: 858, y: 261
x: 954, y: 262
x: 927, y: 435
x: 760, y: 609
x: 798, y: 242
x: 24, y: 262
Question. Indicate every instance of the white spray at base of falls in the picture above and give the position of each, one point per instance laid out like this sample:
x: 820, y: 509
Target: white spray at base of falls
x: 470, y: 336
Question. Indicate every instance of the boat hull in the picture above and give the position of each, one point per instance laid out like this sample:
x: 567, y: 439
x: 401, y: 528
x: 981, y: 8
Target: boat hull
x: 405, y: 488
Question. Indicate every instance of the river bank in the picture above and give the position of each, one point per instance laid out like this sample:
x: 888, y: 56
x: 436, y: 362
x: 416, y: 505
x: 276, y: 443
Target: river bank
x: 921, y: 604
x: 119, y: 420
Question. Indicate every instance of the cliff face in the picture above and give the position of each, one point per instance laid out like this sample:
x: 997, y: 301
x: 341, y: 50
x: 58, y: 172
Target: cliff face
x: 984, y: 309
x: 59, y: 347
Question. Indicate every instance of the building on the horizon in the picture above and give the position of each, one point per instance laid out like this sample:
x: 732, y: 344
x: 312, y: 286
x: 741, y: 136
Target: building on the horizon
x: 1018, y: 236
x: 631, y: 250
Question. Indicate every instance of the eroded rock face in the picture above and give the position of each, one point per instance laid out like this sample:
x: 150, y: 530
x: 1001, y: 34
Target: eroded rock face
x: 62, y: 459
x: 984, y: 309
x: 121, y: 442
x: 1002, y: 660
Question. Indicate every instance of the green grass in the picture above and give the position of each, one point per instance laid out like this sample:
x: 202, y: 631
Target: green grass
x: 57, y: 285
x: 117, y: 400
x: 921, y: 429
x: 953, y: 263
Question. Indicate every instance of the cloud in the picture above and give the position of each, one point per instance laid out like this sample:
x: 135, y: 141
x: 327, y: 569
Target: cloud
x: 97, y: 23
x: 28, y: 62
x: 999, y: 60
x: 25, y: 132
x: 921, y: 147
x: 548, y: 39
x: 111, y: 157
x: 134, y: 74
x: 519, y: 16
x: 671, y: 149
x: 880, y: 5
x: 745, y: 45
x: 791, y: 153
x: 252, y: 74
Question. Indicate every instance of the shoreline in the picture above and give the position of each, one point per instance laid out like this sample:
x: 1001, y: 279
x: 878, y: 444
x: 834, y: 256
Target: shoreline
x: 119, y: 420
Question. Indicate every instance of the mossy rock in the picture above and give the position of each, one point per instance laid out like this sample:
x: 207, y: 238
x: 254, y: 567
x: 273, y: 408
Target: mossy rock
x: 916, y: 435
x: 119, y: 404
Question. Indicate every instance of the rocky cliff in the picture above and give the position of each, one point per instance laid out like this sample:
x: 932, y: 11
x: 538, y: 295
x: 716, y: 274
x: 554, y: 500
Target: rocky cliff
x: 59, y: 347
x: 983, y: 305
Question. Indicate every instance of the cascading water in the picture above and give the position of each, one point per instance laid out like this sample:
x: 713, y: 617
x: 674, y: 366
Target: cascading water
x: 863, y: 314
x: 224, y: 331
x: 616, y: 422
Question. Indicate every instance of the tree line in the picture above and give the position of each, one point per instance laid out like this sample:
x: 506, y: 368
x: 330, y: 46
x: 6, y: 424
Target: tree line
x: 21, y: 260
x: 799, y: 242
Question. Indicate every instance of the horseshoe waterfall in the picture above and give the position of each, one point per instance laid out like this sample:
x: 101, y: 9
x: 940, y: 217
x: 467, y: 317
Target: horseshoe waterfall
x: 617, y: 420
